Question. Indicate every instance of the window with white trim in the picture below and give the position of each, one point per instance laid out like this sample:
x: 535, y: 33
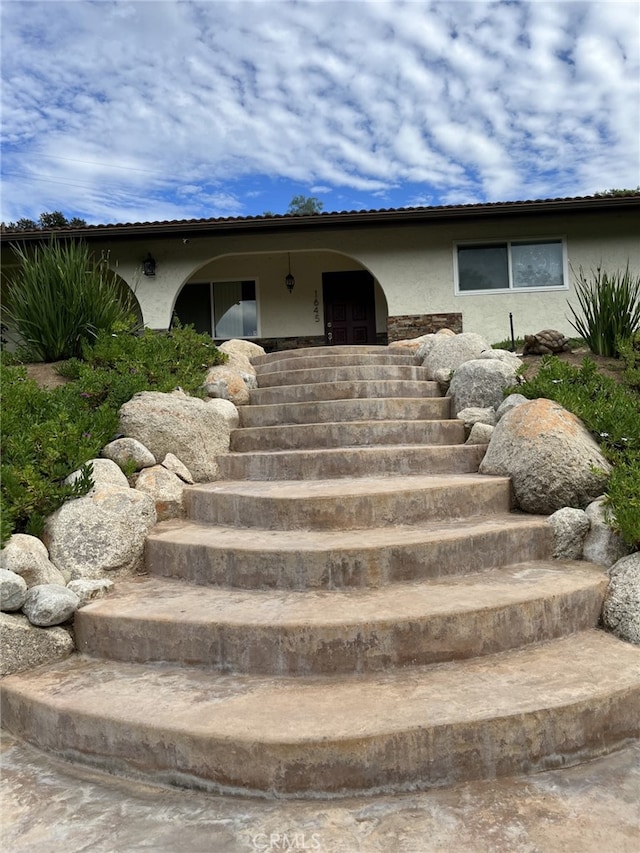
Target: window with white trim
x: 222, y: 309
x: 510, y: 265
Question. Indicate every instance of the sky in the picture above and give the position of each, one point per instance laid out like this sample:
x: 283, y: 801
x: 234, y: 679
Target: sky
x: 147, y: 110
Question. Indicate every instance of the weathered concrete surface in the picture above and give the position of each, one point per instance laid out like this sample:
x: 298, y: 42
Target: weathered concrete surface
x: 49, y: 806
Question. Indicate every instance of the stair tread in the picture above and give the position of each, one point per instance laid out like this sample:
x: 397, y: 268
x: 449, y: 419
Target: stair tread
x: 295, y: 490
x: 322, y: 709
x: 261, y: 539
x: 153, y: 599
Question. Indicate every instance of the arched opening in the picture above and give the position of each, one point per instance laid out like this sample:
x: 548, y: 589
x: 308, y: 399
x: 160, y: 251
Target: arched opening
x: 283, y: 299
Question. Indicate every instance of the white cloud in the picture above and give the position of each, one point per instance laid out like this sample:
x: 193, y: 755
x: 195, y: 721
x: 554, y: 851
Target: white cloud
x: 140, y: 110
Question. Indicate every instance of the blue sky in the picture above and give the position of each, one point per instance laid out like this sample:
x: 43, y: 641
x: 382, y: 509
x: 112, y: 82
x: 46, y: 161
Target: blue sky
x: 143, y: 110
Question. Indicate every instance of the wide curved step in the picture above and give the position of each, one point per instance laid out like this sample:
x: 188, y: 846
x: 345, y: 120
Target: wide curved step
x: 349, y: 503
x: 347, y: 434
x: 547, y: 705
x: 321, y: 463
x: 332, y: 559
x: 326, y: 358
x: 330, y: 411
x: 344, y: 390
x: 340, y: 631
x: 346, y: 373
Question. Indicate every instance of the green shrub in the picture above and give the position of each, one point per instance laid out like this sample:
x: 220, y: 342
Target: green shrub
x: 60, y: 297
x: 45, y: 436
x: 611, y: 412
x: 48, y: 434
x: 630, y: 354
x: 610, y: 309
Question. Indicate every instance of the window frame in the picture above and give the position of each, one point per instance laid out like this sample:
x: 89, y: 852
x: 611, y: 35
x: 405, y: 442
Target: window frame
x: 212, y: 284
x: 508, y: 242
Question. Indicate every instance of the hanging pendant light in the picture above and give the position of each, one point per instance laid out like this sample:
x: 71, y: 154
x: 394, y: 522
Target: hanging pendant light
x: 289, y: 279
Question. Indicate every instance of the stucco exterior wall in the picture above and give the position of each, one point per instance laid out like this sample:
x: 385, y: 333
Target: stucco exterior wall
x: 413, y: 265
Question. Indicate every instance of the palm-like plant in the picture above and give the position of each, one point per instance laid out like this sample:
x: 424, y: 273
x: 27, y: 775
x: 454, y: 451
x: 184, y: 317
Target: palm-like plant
x: 609, y: 309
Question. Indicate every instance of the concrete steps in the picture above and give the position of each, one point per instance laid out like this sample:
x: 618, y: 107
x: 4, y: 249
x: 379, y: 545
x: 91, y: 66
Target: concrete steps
x: 352, y: 609
x: 348, y: 434
x: 321, y: 463
x: 334, y: 559
x: 347, y: 504
x: 352, y: 630
x: 368, y: 372
x: 548, y: 704
x: 344, y: 390
x: 330, y: 411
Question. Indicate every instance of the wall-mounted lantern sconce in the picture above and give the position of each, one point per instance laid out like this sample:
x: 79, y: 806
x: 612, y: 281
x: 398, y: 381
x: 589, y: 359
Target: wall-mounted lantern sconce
x: 290, y: 280
x: 149, y: 265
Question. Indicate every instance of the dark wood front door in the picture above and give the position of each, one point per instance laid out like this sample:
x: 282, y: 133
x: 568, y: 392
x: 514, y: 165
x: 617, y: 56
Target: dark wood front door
x: 349, y: 307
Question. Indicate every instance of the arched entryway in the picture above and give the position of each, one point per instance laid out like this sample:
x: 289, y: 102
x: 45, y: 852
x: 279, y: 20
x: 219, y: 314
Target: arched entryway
x: 250, y: 296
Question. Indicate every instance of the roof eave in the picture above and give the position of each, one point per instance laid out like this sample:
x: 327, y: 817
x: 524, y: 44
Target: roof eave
x: 204, y: 227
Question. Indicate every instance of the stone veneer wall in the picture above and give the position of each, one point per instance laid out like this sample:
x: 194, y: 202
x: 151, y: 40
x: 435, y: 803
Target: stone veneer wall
x: 405, y: 326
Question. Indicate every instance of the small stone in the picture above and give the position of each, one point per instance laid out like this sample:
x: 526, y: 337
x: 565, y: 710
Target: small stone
x: 166, y: 490
x: 90, y: 590
x: 128, y: 450
x: 13, y: 591
x: 509, y: 403
x: 602, y: 544
x: 50, y: 604
x: 480, y: 434
x: 570, y: 527
x: 28, y: 557
x: 173, y: 464
x: 621, y: 612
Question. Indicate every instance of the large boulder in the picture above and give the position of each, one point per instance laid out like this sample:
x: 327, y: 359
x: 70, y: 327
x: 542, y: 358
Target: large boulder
x: 552, y: 459
x: 621, y: 611
x: 101, y: 534
x: 240, y: 347
x: 602, y: 544
x: 229, y: 383
x: 448, y: 352
x: 24, y: 646
x: 50, y: 604
x: 188, y: 427
x: 480, y: 383
x: 28, y: 557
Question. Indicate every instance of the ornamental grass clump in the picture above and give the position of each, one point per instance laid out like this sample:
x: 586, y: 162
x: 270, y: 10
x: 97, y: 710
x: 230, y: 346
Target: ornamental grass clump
x: 609, y: 309
x: 60, y: 297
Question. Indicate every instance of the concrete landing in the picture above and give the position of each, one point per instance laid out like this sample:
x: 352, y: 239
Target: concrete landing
x: 51, y: 806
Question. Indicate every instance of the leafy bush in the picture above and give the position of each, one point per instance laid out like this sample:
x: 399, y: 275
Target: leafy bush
x: 45, y: 436
x: 48, y: 434
x: 610, y: 309
x: 611, y: 412
x: 117, y: 366
x: 61, y: 297
x: 630, y: 353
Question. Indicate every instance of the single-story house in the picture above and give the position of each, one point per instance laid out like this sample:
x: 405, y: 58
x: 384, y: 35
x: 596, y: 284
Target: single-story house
x: 369, y: 276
